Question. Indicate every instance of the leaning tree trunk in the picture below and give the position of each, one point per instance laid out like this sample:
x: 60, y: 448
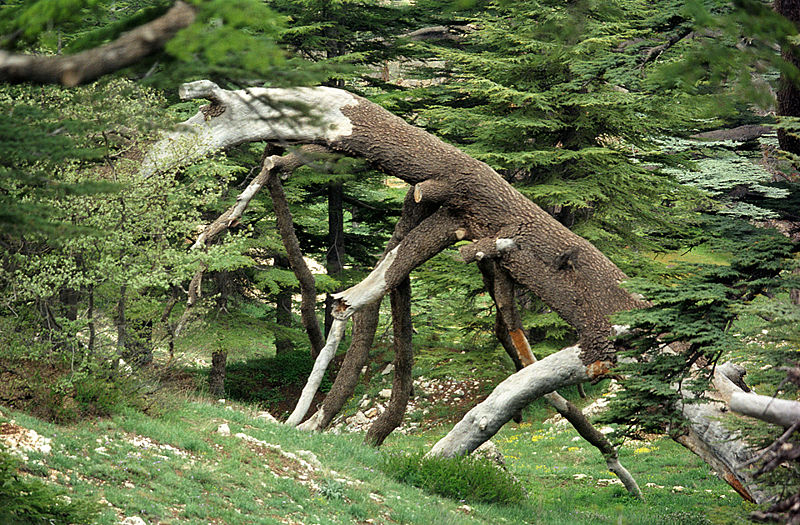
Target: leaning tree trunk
x: 471, y: 201
x: 402, y: 382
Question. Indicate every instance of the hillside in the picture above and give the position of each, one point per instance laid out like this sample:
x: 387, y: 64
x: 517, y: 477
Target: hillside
x: 207, y: 461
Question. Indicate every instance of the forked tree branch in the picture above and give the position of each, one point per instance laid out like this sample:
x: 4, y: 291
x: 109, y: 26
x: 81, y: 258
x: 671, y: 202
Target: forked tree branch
x: 89, y: 65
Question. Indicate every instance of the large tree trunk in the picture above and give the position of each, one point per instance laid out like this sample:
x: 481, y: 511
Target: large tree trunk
x: 216, y: 378
x: 335, y: 255
x: 788, y: 92
x: 471, y: 201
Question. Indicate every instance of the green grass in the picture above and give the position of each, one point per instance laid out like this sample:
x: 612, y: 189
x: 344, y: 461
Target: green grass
x: 698, y: 255
x: 222, y: 479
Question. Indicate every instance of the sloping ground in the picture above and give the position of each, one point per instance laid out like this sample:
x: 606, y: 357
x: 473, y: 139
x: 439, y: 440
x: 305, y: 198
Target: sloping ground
x: 217, y: 463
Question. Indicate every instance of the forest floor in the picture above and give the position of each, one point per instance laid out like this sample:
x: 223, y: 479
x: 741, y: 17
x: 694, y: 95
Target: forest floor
x: 206, y: 461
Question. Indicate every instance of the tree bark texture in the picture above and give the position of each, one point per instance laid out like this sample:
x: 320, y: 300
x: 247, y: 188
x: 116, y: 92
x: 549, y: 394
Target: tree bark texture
x: 788, y: 92
x: 335, y: 255
x: 216, y: 379
x: 566, y: 271
x: 708, y: 437
x: 128, y: 49
x: 557, y: 370
x: 402, y: 382
x: 283, y: 311
x: 365, y: 323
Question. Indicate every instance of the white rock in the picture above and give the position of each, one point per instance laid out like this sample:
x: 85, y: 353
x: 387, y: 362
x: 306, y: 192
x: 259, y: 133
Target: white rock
x: 490, y: 451
x: 310, y: 457
x: 365, y: 403
x: 224, y: 430
x: 372, y: 412
x: 133, y: 520
x: 388, y: 370
x: 386, y: 393
x: 358, y: 419
x: 607, y: 482
x: 267, y: 416
x: 580, y: 476
x: 606, y: 430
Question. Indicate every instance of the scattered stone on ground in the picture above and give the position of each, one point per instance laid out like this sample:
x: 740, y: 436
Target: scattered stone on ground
x: 462, y: 394
x: 598, y: 406
x: 224, y: 430
x: 147, y: 443
x: 605, y: 482
x: 266, y: 416
x: 20, y: 441
x: 133, y: 520
x: 489, y: 450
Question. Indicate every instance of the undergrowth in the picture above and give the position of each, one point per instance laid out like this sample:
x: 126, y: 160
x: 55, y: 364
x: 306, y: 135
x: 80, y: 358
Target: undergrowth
x: 465, y: 478
x: 25, y: 500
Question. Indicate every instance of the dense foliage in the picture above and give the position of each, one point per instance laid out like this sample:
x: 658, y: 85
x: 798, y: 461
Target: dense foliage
x: 591, y: 109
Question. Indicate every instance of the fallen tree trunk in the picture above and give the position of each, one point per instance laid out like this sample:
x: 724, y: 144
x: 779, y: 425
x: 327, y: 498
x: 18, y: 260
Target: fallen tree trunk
x: 468, y: 200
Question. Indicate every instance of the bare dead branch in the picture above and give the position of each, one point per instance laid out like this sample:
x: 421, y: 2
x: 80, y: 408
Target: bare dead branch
x: 71, y: 70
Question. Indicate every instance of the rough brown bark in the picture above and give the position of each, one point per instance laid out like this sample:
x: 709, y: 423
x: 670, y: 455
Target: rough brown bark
x: 71, y: 70
x: 216, y: 378
x: 788, y: 92
x: 308, y: 287
x: 402, y: 382
x: 283, y: 311
x: 335, y: 255
x: 569, y: 274
x: 365, y: 323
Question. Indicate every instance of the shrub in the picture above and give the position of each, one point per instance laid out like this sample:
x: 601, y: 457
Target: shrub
x: 462, y: 478
x: 24, y: 500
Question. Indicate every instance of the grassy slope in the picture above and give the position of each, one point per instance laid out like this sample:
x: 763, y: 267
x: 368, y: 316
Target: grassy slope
x: 224, y: 479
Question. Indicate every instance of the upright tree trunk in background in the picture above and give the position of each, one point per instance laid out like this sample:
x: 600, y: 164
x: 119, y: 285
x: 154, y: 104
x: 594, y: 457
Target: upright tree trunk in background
x: 789, y: 95
x: 121, y: 322
x: 335, y: 253
x: 788, y: 91
x: 283, y: 311
x: 90, y: 320
x: 216, y: 379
